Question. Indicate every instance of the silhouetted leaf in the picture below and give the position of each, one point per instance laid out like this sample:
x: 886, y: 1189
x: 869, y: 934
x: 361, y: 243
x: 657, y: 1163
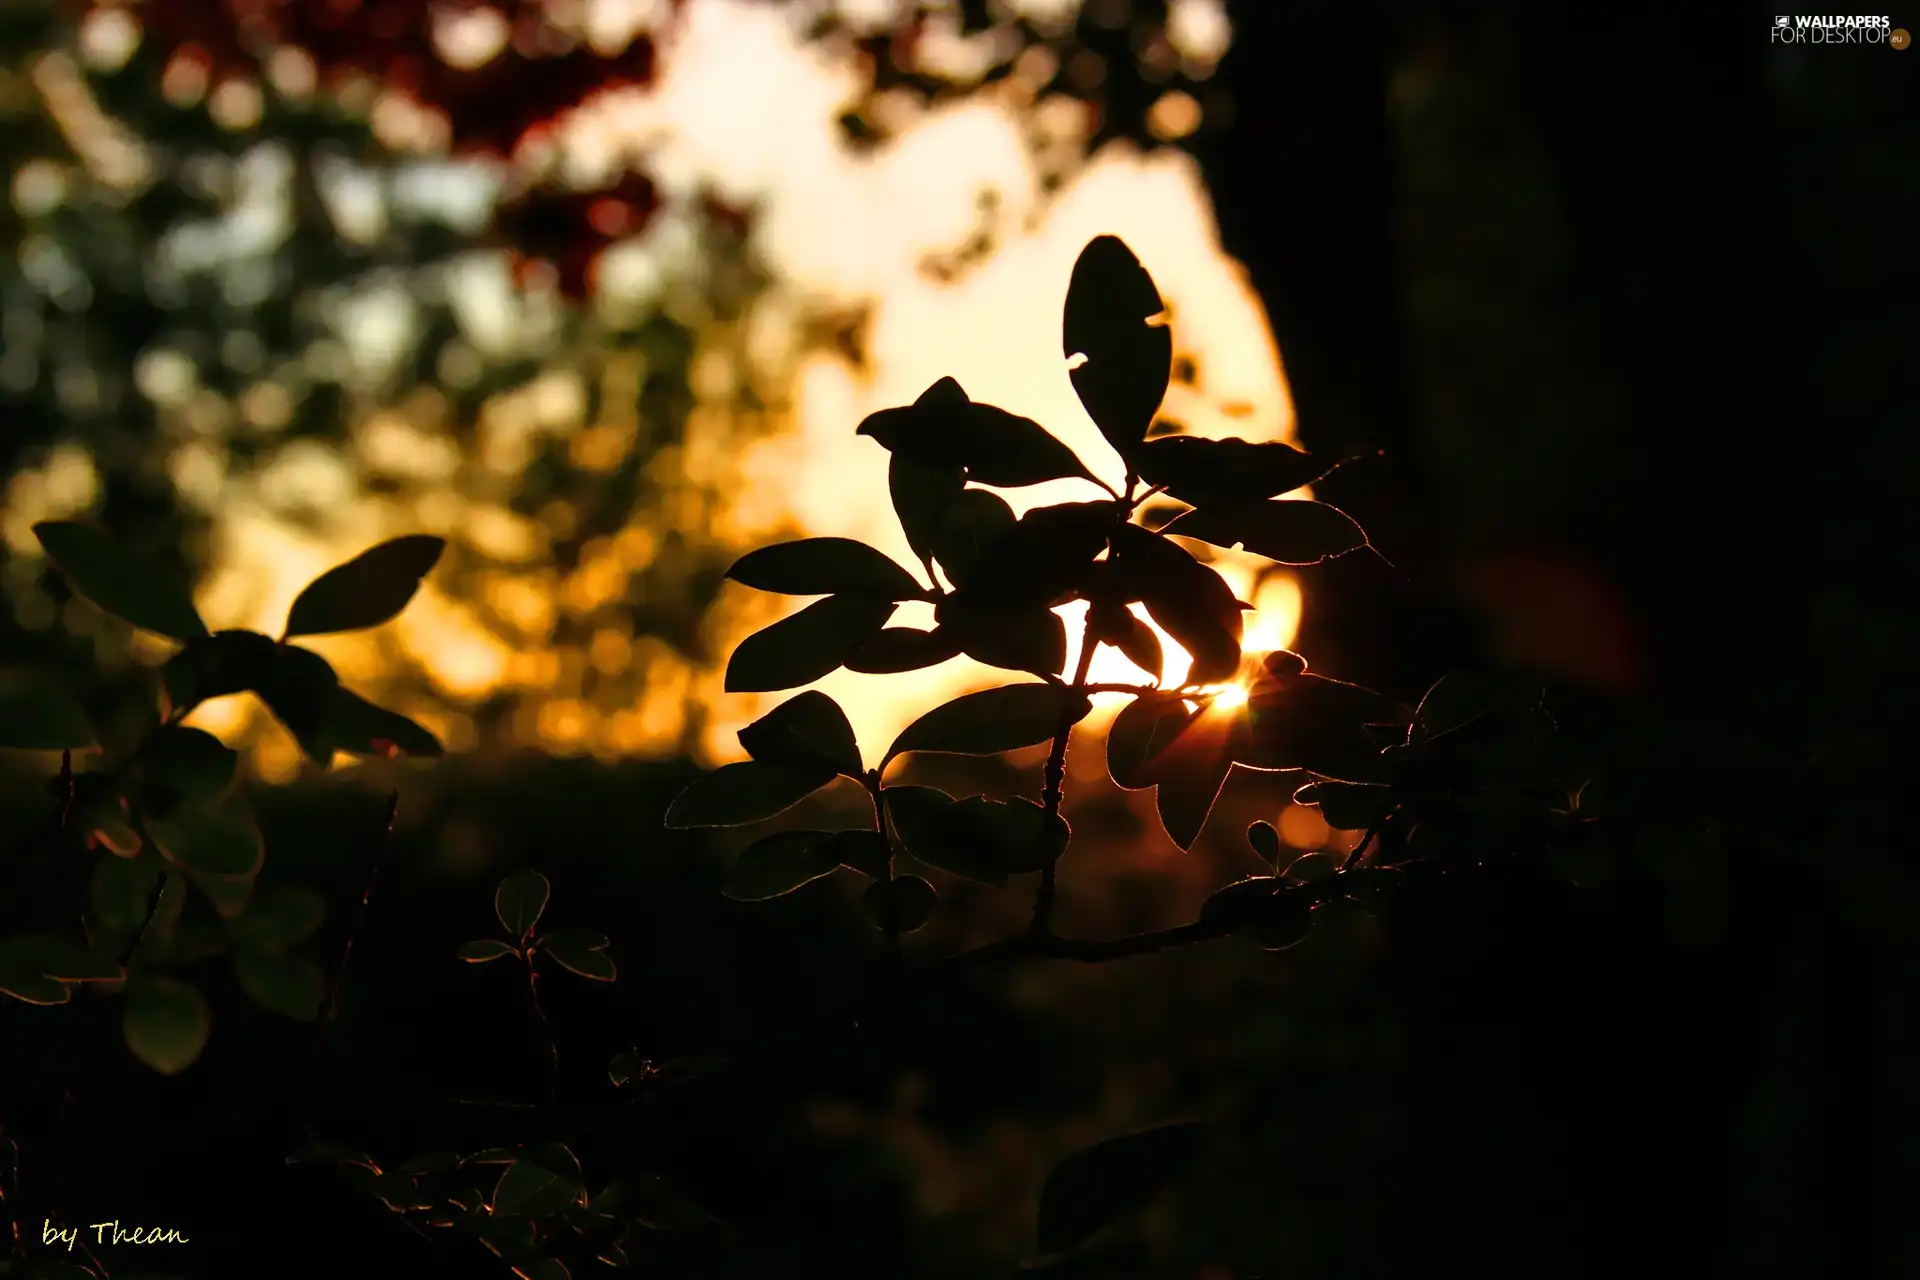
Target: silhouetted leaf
x: 1289, y: 532
x: 127, y: 585
x: 1140, y: 644
x: 120, y: 891
x: 1140, y: 734
x: 1043, y: 559
x: 1312, y: 723
x: 921, y: 496
x: 520, y: 901
x: 1190, y: 601
x: 660, y: 1206
x: 481, y: 950
x: 582, y: 951
x: 1236, y: 904
x: 1203, y: 472
x: 189, y: 763
x: 278, y: 917
x: 1033, y: 641
x: 810, y: 644
x: 971, y: 523
x: 1091, y: 1188
x: 540, y: 1183
x: 863, y: 851
x: 359, y: 728
x: 223, y: 842
x: 929, y: 827
x: 825, y: 567
x: 1282, y: 663
x: 299, y: 688
x: 1311, y: 868
x: 429, y: 1162
x: 37, y: 714
x: 913, y: 900
x: 29, y: 987
x: 1189, y: 780
x: 747, y: 791
x: 1129, y: 363
x: 780, y: 863
x: 1265, y: 842
x: 1016, y: 830
x: 223, y: 663
x: 63, y: 956
x: 808, y: 729
x: 994, y: 720
x: 1455, y: 701
x: 165, y: 1021
x: 289, y: 985
x: 367, y: 590
x: 944, y: 428
x: 228, y: 895
x: 897, y: 649
x: 1346, y: 806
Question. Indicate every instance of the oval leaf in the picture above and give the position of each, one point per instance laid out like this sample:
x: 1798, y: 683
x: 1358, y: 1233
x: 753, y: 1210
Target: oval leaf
x: 912, y: 902
x: 520, y: 900
x: 190, y: 764
x: 1265, y: 841
x: 1294, y: 532
x: 1200, y: 472
x: 973, y: 522
x: 278, y: 917
x: 1141, y: 734
x: 921, y: 495
x: 540, y: 1183
x: 994, y: 720
x: 1312, y: 723
x: 37, y: 714
x: 944, y: 429
x: 746, y: 791
x: 582, y: 951
x: 1346, y: 806
x: 1284, y: 922
x: 289, y: 985
x: 932, y: 831
x: 810, y: 644
x: 1128, y: 362
x: 1091, y: 1188
x: 120, y: 892
x: 222, y: 843
x: 809, y: 729
x: 1191, y: 775
x: 359, y: 728
x: 65, y: 957
x: 825, y: 567
x: 780, y: 863
x: 862, y: 851
x: 367, y: 590
x: 897, y: 649
x: 129, y: 586
x: 165, y: 1022
x: 481, y: 950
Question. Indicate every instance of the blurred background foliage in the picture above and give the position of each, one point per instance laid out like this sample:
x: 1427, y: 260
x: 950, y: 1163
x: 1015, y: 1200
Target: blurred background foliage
x: 289, y: 278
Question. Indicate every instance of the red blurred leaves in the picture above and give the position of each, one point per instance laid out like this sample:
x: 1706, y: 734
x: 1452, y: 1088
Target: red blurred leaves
x: 492, y: 108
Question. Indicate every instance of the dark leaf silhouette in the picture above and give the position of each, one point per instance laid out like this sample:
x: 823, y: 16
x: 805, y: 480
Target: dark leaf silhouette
x: 540, y: 1183
x: 120, y: 892
x: 189, y: 763
x: 1200, y: 472
x: 1190, y: 601
x: 994, y: 720
x: 1092, y: 1188
x: 481, y: 950
x: 922, y: 495
x: 862, y: 851
x: 1312, y: 723
x: 1128, y: 362
x: 581, y: 951
x: 971, y: 523
x: 127, y: 585
x: 1346, y: 806
x: 896, y: 649
x: 1236, y: 904
x: 825, y: 566
x: 1288, y: 532
x: 1032, y: 640
x: 288, y: 985
x: 1016, y: 830
x: 1190, y: 777
x: 945, y: 429
x: 367, y: 590
x: 359, y: 728
x: 810, y: 644
x: 165, y: 1021
x: 37, y: 714
x: 748, y: 791
x: 912, y: 899
x: 1283, y: 922
x: 1265, y: 841
x: 809, y: 730
x: 520, y: 901
x: 932, y: 831
x: 1455, y: 701
x: 780, y: 863
x: 298, y: 686
x: 278, y: 917
x: 1311, y: 868
x: 223, y: 663
x: 1141, y: 734
x: 220, y: 842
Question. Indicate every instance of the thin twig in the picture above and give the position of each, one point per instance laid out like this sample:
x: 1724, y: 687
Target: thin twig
x: 366, y: 897
x: 546, y: 1027
x: 1055, y: 777
x: 890, y: 914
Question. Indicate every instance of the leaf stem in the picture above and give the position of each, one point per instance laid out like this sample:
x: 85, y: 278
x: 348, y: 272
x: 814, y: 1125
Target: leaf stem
x: 366, y: 897
x: 890, y: 914
x: 545, y: 1026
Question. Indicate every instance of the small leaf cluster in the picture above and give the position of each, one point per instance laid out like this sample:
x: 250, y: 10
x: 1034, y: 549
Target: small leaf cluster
x: 176, y: 853
x: 519, y: 902
x: 530, y: 1206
